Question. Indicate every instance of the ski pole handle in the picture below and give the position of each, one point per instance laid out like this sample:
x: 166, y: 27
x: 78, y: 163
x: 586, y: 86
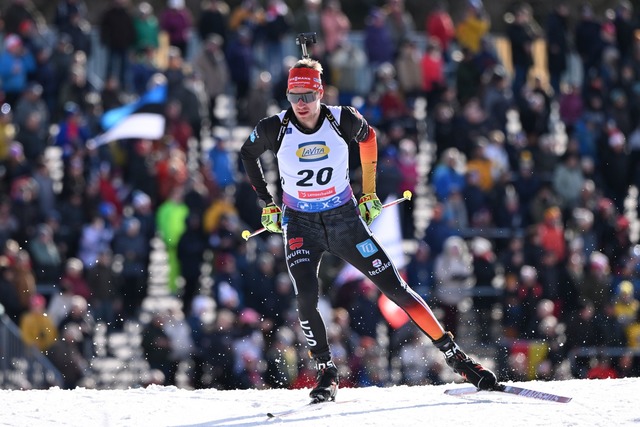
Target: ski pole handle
x: 406, y: 195
x: 246, y: 234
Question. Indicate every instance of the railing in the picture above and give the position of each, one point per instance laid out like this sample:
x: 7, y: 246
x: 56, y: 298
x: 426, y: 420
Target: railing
x: 22, y: 367
x: 580, y: 357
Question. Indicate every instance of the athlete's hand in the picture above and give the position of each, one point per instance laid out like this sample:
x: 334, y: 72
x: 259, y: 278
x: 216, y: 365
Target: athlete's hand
x: 370, y: 207
x: 272, y: 218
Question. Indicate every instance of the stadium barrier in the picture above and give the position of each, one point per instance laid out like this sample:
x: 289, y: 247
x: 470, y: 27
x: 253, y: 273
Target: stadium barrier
x: 23, y: 367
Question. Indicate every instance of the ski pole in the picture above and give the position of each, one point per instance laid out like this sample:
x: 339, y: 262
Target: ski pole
x: 406, y: 195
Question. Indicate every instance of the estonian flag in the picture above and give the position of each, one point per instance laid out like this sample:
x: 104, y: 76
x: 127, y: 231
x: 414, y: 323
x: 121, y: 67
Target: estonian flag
x: 142, y: 119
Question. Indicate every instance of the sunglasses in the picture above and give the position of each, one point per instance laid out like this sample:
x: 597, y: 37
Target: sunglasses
x: 306, y: 97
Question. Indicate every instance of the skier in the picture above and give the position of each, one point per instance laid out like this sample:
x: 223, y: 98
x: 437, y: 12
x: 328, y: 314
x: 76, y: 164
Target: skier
x: 320, y: 213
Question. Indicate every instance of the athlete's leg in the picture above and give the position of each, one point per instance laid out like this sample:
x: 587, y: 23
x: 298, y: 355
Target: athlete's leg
x: 304, y: 245
x: 351, y: 240
x: 303, y: 249
x: 362, y: 250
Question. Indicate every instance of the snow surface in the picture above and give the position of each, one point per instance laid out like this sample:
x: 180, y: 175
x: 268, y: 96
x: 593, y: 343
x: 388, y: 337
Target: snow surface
x: 595, y: 403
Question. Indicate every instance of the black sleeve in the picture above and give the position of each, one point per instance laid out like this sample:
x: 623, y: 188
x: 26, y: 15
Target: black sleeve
x: 262, y: 138
x: 353, y: 125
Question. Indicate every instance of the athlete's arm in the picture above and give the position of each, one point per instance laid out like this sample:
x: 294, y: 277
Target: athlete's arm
x: 356, y: 128
x: 261, y: 139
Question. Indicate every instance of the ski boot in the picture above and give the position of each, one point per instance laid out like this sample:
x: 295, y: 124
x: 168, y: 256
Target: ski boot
x: 465, y: 366
x: 326, y: 381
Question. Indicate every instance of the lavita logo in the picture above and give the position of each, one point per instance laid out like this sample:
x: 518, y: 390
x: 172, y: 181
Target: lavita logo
x: 312, y: 151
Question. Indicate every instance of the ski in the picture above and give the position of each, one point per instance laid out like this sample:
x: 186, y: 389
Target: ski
x: 518, y: 391
x: 311, y: 406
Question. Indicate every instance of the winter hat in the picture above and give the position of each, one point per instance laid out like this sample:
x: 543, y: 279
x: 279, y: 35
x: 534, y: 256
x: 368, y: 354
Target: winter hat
x: 140, y: 199
x: 12, y: 41
x: 38, y: 301
x: 625, y: 288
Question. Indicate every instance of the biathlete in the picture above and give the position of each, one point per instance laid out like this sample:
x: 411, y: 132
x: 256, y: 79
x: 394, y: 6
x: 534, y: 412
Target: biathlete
x: 319, y: 213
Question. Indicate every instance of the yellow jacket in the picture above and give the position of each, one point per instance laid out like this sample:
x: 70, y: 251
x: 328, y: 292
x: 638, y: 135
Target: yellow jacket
x: 470, y: 31
x: 38, y: 330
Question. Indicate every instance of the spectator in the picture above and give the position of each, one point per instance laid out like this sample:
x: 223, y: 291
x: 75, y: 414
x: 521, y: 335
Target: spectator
x: 133, y: 248
x: 438, y: 230
x: 596, y: 287
x: 177, y: 127
x: 118, y: 35
x: 308, y: 19
x: 570, y: 107
x: 625, y: 27
x: 453, y: 273
x: 178, y: 332
x: 399, y: 21
x: 200, y: 318
x: 601, y: 369
x: 249, y: 15
x: 626, y: 306
x: 277, y: 24
x: 73, y: 133
x: 106, y: 294
x: 147, y: 29
x: 557, y: 42
x: 335, y: 26
x: 68, y: 360
x: 529, y: 292
x: 96, y: 236
x: 190, y: 252
x: 433, y: 78
x: 33, y: 137
x: 568, y: 181
x: 379, y: 43
x: 176, y: 21
x: 240, y: 58
x: 259, y: 99
x: 23, y: 279
x: 587, y: 37
x: 79, y: 319
x: 220, y: 362
x: 408, y: 68
x: 47, y: 261
x: 282, y: 360
x: 156, y: 345
x: 24, y: 193
x: 446, y: 175
x: 439, y: 24
x: 615, y: 166
x: 521, y: 33
x: 170, y: 220
x: 79, y: 33
x: 36, y: 328
x: 467, y: 78
x: 214, y: 19
x: 348, y: 63
x: 65, y: 10
x: 211, y: 66
x: 16, y: 63
x: 408, y: 166
x: 143, y: 69
x: 497, y: 99
x: 31, y: 101
x: 474, y: 25
x: 73, y: 277
x: 485, y: 269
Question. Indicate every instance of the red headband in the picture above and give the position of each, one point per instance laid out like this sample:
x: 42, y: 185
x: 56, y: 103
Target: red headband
x: 307, y: 78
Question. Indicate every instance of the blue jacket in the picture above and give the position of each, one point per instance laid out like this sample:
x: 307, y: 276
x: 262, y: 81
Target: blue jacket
x: 14, y: 70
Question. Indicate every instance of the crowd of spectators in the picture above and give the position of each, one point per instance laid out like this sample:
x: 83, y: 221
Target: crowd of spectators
x: 530, y: 232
